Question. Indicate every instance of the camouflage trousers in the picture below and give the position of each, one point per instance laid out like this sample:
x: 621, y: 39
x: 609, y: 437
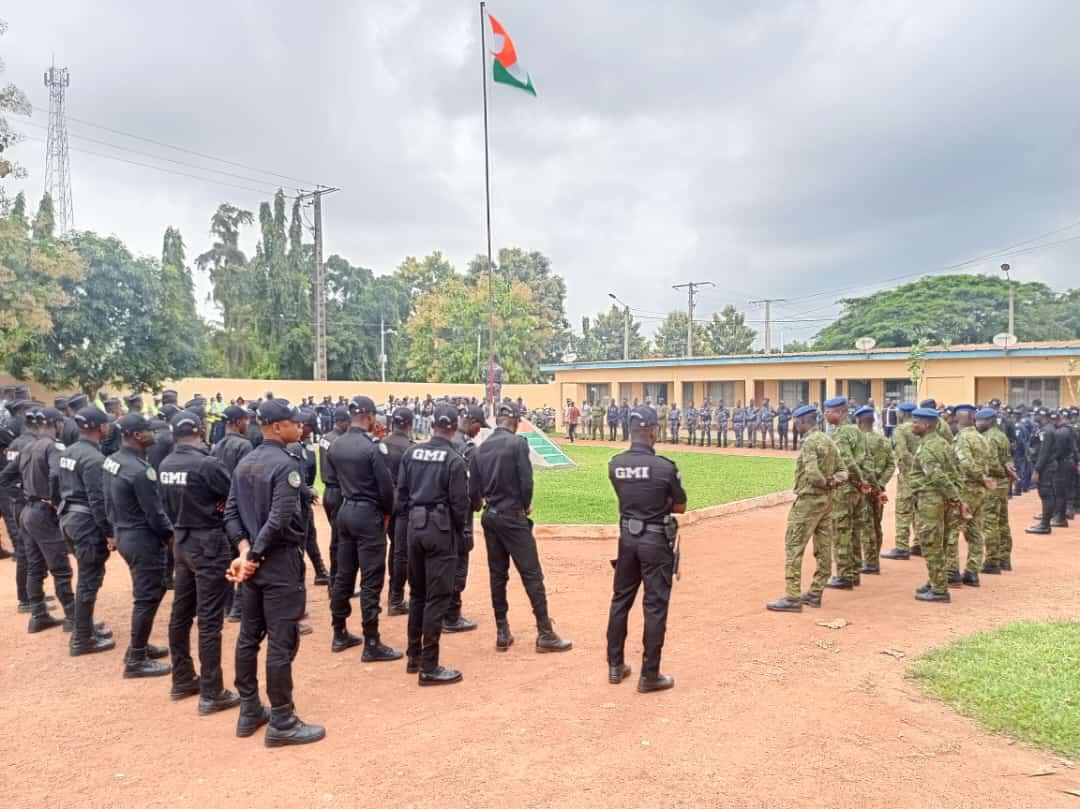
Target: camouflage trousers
x: 868, y: 528
x: 663, y: 431
x: 996, y: 531
x: 905, y: 514
x: 810, y: 517
x: 847, y: 551
x: 974, y: 498
x: 930, y: 508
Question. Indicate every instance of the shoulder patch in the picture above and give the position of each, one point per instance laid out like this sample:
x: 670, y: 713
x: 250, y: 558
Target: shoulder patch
x: 151, y: 474
x: 382, y: 448
x: 294, y: 479
x: 59, y: 445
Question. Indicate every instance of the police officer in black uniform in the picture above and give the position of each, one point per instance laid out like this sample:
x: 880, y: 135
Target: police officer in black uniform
x: 433, y: 489
x: 194, y: 487
x: 397, y: 444
x: 143, y: 530
x: 359, y: 463
x: 163, y: 437
x: 254, y: 432
x: 331, y: 498
x: 263, y: 516
x: 111, y: 442
x: 234, y: 445
x: 1066, y: 464
x: 71, y: 405
x: 86, y: 527
x: 1046, y: 465
x: 11, y: 485
x: 501, y: 474
x: 469, y: 425
x: 649, y: 492
x: 39, y: 467
x: 308, y: 470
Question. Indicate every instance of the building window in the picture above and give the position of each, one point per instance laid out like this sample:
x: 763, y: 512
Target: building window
x: 858, y: 391
x: 656, y: 392
x: 598, y: 394
x: 1026, y: 391
x: 720, y: 392
x: 687, y: 394
x: 794, y: 392
x: 898, y: 390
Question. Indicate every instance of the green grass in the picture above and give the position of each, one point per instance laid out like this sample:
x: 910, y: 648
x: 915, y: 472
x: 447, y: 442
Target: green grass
x: 584, y: 495
x: 1022, y: 679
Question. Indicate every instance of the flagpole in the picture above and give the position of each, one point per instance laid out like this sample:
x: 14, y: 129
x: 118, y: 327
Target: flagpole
x: 487, y: 199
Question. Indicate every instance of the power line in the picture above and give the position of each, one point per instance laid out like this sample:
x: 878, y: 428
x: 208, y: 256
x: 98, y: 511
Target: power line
x: 167, y: 171
x: 187, y: 151
x: 691, y: 288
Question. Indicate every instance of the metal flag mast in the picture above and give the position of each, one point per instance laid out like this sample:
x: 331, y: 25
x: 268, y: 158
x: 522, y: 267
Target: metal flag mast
x: 487, y: 199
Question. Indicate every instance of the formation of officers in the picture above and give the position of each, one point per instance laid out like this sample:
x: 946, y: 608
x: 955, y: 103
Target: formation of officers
x: 754, y: 426
x: 956, y: 469
x: 235, y: 522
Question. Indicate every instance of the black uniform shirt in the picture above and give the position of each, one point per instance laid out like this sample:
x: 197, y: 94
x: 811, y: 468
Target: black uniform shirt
x: 231, y: 449
x: 254, y: 434
x: 264, y: 499
x: 80, y: 480
x: 132, y: 497
x: 194, y: 484
x: 39, y: 465
x: 308, y: 464
x: 111, y: 442
x: 434, y: 474
x: 11, y: 477
x: 397, y: 444
x: 163, y: 443
x: 501, y: 473
x: 1063, y: 441
x: 1047, y: 448
x: 359, y: 462
x: 326, y: 471
x: 646, y: 484
x: 71, y: 432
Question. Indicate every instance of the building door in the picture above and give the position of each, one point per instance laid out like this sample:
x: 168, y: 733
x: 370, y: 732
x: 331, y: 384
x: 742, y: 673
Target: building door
x: 759, y: 391
x: 687, y: 394
x: 655, y: 392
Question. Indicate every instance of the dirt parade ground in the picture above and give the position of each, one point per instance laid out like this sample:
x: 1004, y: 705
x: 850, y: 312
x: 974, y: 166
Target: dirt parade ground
x: 769, y: 710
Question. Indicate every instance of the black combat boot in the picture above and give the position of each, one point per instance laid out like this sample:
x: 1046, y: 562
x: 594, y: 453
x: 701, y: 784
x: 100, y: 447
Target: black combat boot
x: 811, y: 599
x: 930, y: 595
x: 1059, y: 521
x: 440, y: 676
x: 955, y: 579
x: 412, y: 664
x: 616, y: 674
x: 286, y: 728
x: 398, y: 605
x: 503, y: 639
x: 970, y: 578
x: 41, y: 620
x: 916, y: 550
x: 344, y: 639
x: 992, y: 568
x: 785, y: 604
x: 89, y: 646
x: 137, y: 663
x: 375, y: 651
x: 1006, y: 564
x: 222, y: 702
x: 548, y: 640
x: 253, y: 715
x: 184, y: 689
x: 896, y: 553
x: 840, y: 583
x: 322, y: 575
x: 1041, y: 527
x: 654, y: 682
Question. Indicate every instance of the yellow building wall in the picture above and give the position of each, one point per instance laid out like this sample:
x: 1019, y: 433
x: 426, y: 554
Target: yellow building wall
x: 987, y: 388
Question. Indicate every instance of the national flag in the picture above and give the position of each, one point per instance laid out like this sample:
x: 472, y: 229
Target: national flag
x: 506, y: 68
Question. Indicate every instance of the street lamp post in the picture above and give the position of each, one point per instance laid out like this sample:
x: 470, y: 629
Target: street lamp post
x: 1012, y: 324
x: 626, y: 326
x: 383, y: 331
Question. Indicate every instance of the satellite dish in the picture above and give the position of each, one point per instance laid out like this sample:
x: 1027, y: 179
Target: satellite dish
x: 865, y: 343
x: 1005, y: 340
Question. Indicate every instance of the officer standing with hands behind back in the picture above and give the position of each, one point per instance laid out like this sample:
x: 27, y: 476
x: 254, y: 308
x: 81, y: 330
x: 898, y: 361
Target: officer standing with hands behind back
x: 649, y: 491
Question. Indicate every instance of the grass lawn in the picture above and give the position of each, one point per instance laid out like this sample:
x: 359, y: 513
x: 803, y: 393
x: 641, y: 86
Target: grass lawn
x: 584, y: 494
x: 1022, y: 679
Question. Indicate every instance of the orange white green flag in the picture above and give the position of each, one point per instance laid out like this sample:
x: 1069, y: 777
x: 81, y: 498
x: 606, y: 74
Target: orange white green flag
x: 506, y: 69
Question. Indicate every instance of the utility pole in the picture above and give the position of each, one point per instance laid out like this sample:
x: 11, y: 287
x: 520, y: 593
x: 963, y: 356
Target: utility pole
x: 319, y: 305
x: 626, y: 326
x: 1012, y: 322
x: 383, y: 331
x: 768, y: 319
x: 57, y: 159
x: 691, y: 291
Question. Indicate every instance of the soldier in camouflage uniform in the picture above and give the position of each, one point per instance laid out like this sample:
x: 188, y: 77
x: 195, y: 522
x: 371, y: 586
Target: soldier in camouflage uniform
x: 818, y: 471
x: 722, y: 417
x: 738, y: 423
x: 973, y: 460
x: 661, y: 415
x: 766, y: 417
x: 596, y: 422
x: 935, y: 493
x: 705, y: 424
x: 847, y: 551
x: 879, y: 468
x: 674, y: 418
x: 996, y: 531
x: 904, y: 444
x: 753, y: 420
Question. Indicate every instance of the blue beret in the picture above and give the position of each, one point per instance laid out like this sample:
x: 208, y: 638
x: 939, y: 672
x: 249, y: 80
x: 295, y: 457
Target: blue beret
x: 837, y: 401
x: 805, y: 410
x: 865, y: 410
x: 986, y: 413
x: 926, y: 413
x: 907, y: 407
x: 959, y: 407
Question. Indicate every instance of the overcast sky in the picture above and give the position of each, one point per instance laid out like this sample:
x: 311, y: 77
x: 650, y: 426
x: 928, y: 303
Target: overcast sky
x: 791, y: 150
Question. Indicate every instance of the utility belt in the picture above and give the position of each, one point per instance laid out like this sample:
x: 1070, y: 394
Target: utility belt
x: 68, y: 507
x: 506, y: 512
x: 436, y: 513
x: 31, y: 499
x: 669, y: 528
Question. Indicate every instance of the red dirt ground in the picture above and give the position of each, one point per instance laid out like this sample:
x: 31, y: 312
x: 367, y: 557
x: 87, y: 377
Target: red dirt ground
x: 769, y: 710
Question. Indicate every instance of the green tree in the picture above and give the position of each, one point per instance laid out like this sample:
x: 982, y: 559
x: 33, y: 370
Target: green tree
x: 231, y: 283
x: 602, y: 337
x: 533, y: 270
x: 33, y: 273
x: 946, y: 309
x: 670, y: 337
x: 178, y: 304
x: 796, y: 346
x: 12, y: 101
x: 728, y: 333
x: 442, y: 332
x: 115, y: 327
x: 420, y: 276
